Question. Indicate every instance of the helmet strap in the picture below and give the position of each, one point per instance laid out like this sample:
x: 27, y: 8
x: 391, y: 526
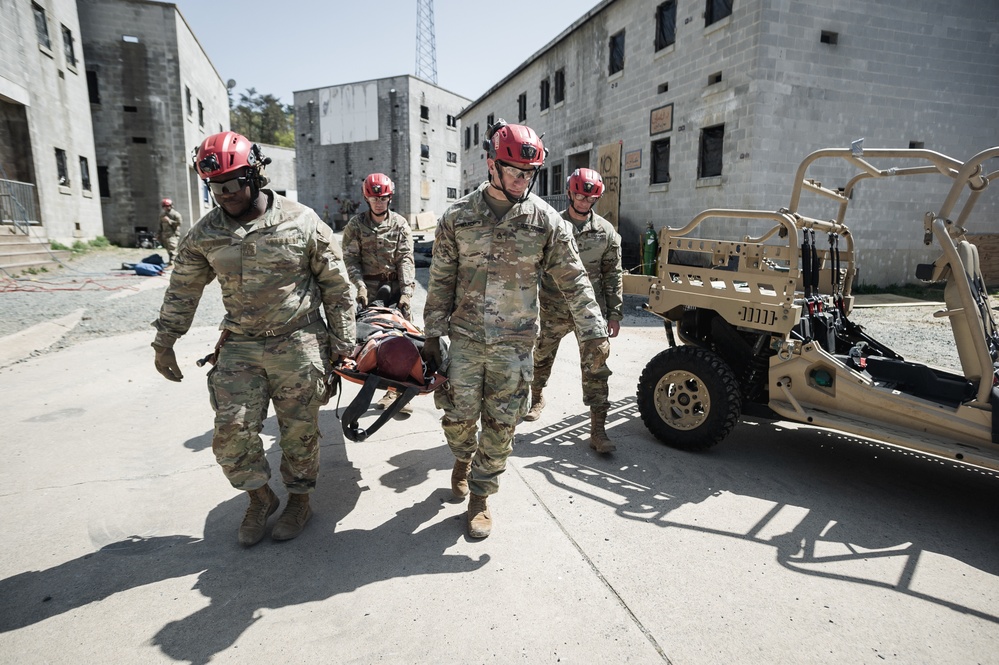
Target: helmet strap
x: 502, y: 187
x: 576, y: 210
x: 254, y: 195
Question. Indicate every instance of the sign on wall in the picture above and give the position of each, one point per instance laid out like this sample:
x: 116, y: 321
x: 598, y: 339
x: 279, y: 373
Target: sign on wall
x: 661, y: 119
x: 632, y: 160
x: 609, y: 168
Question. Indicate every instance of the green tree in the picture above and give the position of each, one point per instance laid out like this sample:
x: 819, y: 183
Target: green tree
x: 263, y: 119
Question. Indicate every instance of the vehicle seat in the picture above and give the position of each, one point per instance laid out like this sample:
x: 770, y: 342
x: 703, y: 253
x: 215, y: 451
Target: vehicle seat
x: 967, y: 325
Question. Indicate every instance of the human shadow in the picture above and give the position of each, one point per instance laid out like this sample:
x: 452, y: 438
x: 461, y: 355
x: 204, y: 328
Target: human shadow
x: 835, y: 503
x: 240, y: 586
x: 413, y: 467
x: 239, y: 582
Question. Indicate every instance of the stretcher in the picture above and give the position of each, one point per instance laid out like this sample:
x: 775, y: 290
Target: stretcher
x: 386, y: 357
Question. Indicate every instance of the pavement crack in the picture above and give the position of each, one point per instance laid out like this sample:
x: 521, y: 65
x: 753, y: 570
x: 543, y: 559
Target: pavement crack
x: 108, y: 481
x: 593, y: 566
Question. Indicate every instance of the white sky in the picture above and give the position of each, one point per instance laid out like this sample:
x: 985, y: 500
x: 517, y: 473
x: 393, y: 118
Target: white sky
x: 280, y: 47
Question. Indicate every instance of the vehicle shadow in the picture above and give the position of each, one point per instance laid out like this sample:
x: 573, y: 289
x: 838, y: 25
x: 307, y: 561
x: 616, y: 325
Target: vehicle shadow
x: 321, y: 563
x: 831, y: 505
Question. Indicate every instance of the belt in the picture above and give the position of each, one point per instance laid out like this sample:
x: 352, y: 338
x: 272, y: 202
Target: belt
x: 383, y: 277
x: 297, y: 324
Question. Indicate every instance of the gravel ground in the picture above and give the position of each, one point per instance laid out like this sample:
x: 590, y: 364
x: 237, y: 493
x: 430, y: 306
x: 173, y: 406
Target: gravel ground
x: 117, y: 301
x: 913, y: 332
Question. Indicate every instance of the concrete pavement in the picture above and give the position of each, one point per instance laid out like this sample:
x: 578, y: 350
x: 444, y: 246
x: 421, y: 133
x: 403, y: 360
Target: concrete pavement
x: 780, y: 545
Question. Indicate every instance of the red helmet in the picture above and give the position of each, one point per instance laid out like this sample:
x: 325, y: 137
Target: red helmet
x: 166, y: 202
x: 223, y: 153
x: 515, y: 144
x: 377, y: 184
x: 399, y: 359
x: 586, y: 182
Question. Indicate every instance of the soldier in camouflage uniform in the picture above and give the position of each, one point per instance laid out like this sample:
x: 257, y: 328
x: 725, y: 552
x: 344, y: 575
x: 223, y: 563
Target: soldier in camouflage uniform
x: 600, y: 250
x: 278, y: 265
x: 490, y: 250
x: 169, y: 235
x: 378, y: 252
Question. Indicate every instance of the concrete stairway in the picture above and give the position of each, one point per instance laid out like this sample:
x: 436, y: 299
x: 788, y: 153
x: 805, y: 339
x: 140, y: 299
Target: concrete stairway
x: 20, y: 253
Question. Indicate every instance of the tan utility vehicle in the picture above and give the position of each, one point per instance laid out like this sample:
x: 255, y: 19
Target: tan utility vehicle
x: 765, y: 329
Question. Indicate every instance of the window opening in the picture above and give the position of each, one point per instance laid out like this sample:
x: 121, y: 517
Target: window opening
x: 665, y: 25
x: 710, y: 158
x: 41, y: 26
x: 660, y: 162
x: 616, y: 53
x: 716, y: 10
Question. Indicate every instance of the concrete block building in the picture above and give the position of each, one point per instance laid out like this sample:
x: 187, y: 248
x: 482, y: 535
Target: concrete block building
x: 281, y: 171
x: 685, y: 105
x: 48, y: 175
x: 402, y: 126
x: 154, y: 95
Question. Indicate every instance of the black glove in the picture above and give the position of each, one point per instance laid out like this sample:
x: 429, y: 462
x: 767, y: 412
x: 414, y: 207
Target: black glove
x: 166, y: 363
x: 431, y: 353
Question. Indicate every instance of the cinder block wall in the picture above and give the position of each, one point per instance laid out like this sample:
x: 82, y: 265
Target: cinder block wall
x: 281, y: 171
x: 152, y: 75
x: 41, y: 94
x: 899, y: 72
x: 329, y: 170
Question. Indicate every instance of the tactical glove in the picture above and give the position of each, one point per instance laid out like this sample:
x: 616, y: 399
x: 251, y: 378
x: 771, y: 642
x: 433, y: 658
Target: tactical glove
x: 166, y: 363
x: 431, y: 352
x: 595, y: 352
x: 362, y: 297
x: 405, y: 308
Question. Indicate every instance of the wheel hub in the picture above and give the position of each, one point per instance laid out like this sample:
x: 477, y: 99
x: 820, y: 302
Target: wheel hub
x: 681, y: 400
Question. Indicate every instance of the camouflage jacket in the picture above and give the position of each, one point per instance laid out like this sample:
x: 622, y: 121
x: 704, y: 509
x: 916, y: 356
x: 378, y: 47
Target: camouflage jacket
x: 380, y: 249
x: 485, y: 272
x: 170, y: 223
x: 599, y: 248
x: 274, y: 272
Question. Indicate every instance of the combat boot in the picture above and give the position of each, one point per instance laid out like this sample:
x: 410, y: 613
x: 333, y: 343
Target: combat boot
x: 598, y: 437
x: 537, y: 406
x: 294, y: 517
x: 388, y: 398
x: 263, y: 503
x: 459, y: 478
x: 480, y: 522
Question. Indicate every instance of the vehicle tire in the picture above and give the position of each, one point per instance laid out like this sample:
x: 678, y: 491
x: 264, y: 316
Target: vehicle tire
x: 689, y: 398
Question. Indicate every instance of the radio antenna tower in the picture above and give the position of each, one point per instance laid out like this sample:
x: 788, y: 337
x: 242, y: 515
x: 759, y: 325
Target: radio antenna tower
x: 426, y: 43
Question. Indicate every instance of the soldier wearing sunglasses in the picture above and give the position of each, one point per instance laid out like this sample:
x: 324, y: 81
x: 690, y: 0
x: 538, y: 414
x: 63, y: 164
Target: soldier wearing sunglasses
x: 490, y: 251
x: 600, y: 250
x: 378, y: 252
x: 280, y: 271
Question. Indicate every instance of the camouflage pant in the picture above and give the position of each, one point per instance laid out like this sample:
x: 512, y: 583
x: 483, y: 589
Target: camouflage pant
x: 487, y: 383
x: 595, y: 393
x: 170, y: 242
x: 372, y: 286
x: 287, y: 370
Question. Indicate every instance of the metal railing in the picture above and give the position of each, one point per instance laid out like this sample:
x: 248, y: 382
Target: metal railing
x: 18, y: 204
x: 557, y: 201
